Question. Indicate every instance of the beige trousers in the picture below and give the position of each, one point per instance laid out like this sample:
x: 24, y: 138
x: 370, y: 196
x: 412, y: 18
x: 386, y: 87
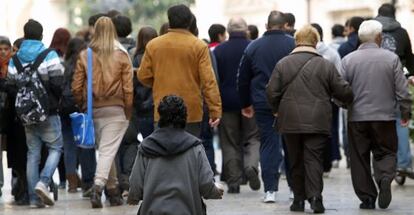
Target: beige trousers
x: 110, y: 127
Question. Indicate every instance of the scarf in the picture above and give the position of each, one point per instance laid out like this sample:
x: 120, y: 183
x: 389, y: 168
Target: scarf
x: 4, y: 62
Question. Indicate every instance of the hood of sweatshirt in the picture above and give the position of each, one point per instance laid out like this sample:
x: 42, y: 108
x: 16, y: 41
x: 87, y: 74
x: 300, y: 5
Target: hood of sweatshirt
x: 29, y: 50
x: 168, y: 142
x: 388, y: 23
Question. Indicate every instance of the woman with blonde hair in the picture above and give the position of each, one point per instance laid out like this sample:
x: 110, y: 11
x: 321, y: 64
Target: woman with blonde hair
x: 112, y: 103
x: 299, y: 92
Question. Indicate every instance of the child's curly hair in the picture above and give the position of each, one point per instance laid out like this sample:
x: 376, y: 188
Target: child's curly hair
x: 173, y: 112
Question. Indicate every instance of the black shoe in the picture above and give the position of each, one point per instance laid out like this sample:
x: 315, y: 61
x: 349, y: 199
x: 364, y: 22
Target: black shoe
x: 96, y: 196
x: 114, y: 196
x: 317, y: 205
x: 253, y: 178
x: 384, y: 197
x: 368, y: 204
x: 298, y: 206
x: 233, y: 189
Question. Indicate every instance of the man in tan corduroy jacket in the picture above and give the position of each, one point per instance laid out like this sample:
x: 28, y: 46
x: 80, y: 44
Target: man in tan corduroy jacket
x: 179, y: 63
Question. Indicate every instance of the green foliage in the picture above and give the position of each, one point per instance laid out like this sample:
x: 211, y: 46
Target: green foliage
x: 141, y: 12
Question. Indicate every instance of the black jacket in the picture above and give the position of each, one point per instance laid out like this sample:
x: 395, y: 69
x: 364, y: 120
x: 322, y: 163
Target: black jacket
x: 143, y: 101
x: 403, y: 45
x: 303, y: 103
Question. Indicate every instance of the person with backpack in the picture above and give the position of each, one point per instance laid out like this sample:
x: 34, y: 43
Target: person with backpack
x: 396, y: 39
x: 112, y: 103
x: 38, y: 75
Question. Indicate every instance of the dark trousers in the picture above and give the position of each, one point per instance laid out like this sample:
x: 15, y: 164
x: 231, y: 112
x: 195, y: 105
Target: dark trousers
x: 270, y: 149
x: 305, y: 153
x: 331, y: 151
x: 381, y: 139
x: 238, y: 133
x: 207, y: 139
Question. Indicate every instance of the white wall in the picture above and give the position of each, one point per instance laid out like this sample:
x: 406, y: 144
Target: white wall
x: 51, y: 14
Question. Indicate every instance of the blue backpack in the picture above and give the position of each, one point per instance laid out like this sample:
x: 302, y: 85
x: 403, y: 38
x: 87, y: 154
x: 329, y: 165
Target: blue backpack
x: 82, y: 123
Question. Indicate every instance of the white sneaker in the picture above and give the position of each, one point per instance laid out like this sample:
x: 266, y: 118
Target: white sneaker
x: 43, y: 193
x: 270, y: 197
x: 291, y: 195
x: 335, y: 164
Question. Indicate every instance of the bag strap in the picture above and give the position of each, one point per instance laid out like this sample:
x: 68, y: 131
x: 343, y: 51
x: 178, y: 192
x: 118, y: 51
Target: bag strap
x: 39, y: 59
x: 89, y: 82
x: 296, y: 75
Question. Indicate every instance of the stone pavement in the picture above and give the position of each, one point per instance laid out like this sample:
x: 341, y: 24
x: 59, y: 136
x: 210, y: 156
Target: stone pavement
x: 338, y: 193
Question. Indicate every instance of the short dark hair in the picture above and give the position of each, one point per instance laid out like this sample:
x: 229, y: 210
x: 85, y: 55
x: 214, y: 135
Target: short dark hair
x: 112, y: 13
x: 214, y: 31
x: 164, y: 28
x: 338, y: 30
x: 254, y: 32
x: 17, y: 43
x: 355, y: 22
x: 5, y: 41
x: 387, y: 10
x: 193, y: 27
x: 173, y: 112
x: 276, y: 19
x: 33, y: 30
x: 319, y: 29
x: 179, y: 16
x: 122, y: 25
x: 92, y: 19
x: 290, y: 19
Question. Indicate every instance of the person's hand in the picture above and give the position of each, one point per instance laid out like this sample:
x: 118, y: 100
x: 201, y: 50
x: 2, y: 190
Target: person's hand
x: 248, y: 112
x: 405, y: 122
x: 275, y: 115
x: 411, y: 80
x: 214, y: 122
x: 220, y: 189
x: 131, y: 201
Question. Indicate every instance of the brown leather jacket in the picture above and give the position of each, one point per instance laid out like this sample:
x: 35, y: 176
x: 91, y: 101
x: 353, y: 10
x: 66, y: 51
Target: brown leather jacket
x: 111, y: 86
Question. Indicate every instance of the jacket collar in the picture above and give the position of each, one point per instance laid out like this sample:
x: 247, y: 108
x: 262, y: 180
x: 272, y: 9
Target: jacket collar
x: 180, y: 30
x: 368, y: 45
x: 273, y: 32
x: 305, y: 49
x: 237, y: 35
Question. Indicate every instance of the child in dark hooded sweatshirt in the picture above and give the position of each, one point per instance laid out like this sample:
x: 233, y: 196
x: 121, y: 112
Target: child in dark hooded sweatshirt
x: 171, y: 173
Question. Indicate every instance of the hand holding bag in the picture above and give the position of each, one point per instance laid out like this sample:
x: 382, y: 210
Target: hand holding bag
x: 82, y: 123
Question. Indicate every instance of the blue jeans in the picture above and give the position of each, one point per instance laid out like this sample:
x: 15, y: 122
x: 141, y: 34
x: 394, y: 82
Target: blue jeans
x: 270, y: 150
x: 87, y: 157
x: 207, y: 140
x: 404, y: 151
x: 48, y: 132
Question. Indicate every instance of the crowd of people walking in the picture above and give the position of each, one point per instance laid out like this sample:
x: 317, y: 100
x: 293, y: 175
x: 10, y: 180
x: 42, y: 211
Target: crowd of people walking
x: 277, y: 103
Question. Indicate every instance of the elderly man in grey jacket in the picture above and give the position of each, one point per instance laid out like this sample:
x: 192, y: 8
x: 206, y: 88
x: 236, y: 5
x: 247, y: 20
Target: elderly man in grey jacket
x: 379, y: 85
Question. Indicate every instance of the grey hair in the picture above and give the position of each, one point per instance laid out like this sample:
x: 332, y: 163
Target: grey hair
x: 236, y: 24
x: 369, y: 30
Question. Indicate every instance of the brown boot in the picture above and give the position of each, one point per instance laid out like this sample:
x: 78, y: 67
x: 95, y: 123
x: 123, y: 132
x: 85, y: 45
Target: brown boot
x: 73, y: 182
x: 114, y: 197
x: 96, y: 196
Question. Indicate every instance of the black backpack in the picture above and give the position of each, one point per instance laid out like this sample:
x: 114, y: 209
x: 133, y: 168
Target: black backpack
x: 32, y: 103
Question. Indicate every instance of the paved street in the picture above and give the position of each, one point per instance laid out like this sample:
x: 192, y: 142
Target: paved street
x: 338, y: 193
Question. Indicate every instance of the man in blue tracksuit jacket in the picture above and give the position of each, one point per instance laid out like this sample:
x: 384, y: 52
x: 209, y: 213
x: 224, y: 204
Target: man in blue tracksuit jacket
x: 256, y: 66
